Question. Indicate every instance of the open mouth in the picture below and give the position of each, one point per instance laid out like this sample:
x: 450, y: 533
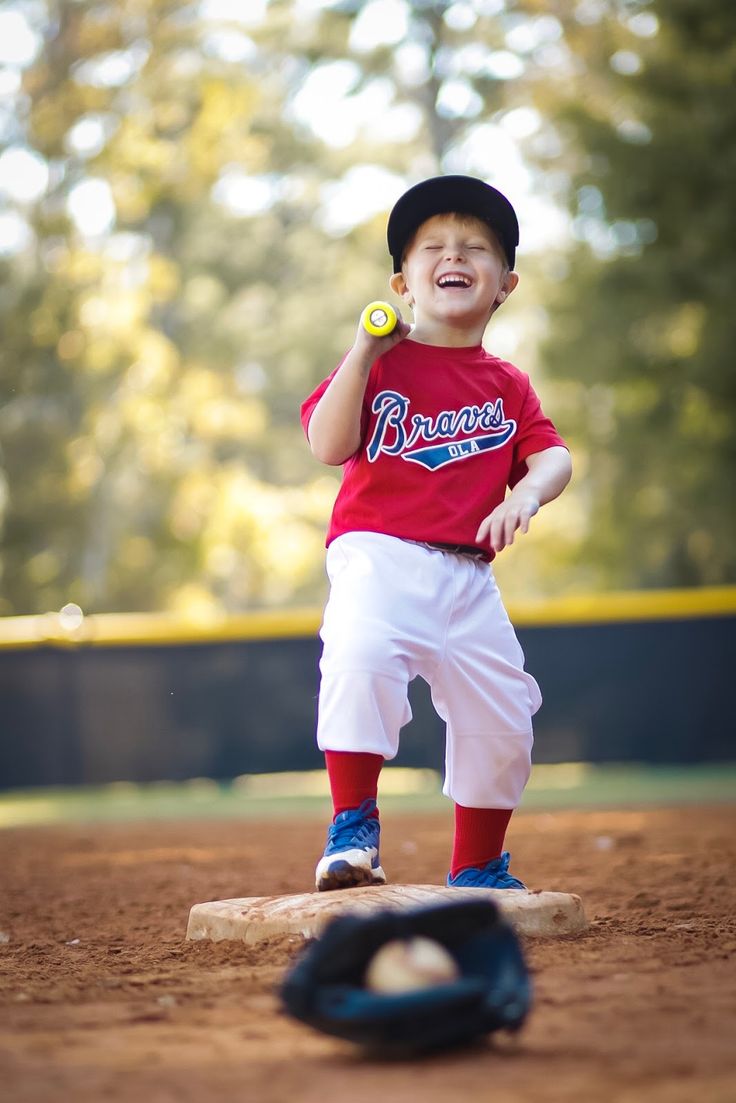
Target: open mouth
x: 454, y: 279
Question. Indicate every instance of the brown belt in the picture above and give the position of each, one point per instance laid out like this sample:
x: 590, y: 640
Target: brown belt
x: 458, y: 549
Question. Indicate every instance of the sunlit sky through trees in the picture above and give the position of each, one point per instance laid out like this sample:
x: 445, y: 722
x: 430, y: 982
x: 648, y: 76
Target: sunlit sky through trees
x: 326, y: 103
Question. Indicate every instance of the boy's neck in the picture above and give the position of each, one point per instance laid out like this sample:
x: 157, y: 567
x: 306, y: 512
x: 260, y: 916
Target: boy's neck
x: 447, y: 336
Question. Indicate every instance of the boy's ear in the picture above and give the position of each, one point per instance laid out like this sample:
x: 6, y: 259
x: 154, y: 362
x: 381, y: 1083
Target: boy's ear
x: 508, y: 285
x: 397, y: 283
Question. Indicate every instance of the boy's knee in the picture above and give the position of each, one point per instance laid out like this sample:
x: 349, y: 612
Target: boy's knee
x: 488, y: 771
x: 361, y: 711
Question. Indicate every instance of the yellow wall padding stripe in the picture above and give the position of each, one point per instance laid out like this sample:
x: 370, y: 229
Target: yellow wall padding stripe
x: 634, y: 605
x: 141, y: 629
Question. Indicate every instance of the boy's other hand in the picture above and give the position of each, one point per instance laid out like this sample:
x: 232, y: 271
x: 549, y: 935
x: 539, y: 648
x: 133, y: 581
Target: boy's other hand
x: 548, y: 473
x: 510, y: 516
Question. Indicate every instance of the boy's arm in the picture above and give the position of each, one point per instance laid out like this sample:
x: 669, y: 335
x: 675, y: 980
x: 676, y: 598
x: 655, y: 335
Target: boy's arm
x: 334, y: 428
x: 548, y: 473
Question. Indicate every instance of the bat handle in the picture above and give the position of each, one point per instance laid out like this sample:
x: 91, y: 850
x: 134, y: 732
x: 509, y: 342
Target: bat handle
x: 379, y: 319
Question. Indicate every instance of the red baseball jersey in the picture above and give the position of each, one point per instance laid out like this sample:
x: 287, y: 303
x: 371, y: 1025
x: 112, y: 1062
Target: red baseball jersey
x: 444, y: 432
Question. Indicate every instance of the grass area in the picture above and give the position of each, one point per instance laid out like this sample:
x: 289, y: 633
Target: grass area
x: 564, y: 785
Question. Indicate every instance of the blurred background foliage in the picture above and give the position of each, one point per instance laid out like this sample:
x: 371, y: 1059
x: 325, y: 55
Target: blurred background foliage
x: 192, y: 210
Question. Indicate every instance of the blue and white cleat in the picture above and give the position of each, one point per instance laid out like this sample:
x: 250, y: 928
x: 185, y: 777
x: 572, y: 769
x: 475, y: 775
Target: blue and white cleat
x: 495, y: 875
x: 351, y: 855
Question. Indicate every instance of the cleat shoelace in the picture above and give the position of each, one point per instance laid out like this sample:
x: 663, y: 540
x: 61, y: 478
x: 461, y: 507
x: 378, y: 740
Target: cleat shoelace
x: 351, y: 829
x: 498, y: 868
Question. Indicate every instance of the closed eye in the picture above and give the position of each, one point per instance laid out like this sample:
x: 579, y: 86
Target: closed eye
x: 434, y: 245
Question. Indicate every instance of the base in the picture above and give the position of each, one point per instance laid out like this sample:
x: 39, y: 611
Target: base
x: 255, y: 918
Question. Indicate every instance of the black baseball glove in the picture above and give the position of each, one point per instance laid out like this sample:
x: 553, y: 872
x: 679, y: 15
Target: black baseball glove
x: 326, y: 989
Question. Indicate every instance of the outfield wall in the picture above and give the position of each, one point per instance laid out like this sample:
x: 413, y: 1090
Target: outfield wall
x: 643, y: 677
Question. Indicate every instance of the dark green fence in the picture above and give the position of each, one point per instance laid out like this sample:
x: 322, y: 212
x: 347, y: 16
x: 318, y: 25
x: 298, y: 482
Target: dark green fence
x: 644, y: 678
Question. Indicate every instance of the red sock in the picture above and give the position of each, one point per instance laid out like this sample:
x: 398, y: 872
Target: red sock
x: 479, y: 835
x: 353, y: 778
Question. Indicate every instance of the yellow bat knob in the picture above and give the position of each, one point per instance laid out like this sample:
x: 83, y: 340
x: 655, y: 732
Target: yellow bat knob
x: 379, y: 319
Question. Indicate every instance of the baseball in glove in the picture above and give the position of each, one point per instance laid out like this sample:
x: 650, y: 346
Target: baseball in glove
x: 490, y: 989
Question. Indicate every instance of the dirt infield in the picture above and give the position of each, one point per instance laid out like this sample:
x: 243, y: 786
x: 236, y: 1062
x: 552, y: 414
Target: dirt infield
x: 101, y: 998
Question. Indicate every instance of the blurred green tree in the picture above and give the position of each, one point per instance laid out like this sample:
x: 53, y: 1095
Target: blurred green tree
x: 199, y: 218
x: 154, y: 330
x: 194, y: 264
x: 640, y: 346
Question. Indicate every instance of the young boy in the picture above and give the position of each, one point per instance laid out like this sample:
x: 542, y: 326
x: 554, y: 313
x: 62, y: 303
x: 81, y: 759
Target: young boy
x: 431, y: 430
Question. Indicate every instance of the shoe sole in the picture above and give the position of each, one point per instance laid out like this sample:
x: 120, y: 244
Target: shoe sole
x: 516, y: 888
x: 342, y: 875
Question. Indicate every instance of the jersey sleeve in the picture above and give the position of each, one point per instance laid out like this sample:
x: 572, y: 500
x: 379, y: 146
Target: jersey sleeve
x: 534, y: 433
x: 309, y: 404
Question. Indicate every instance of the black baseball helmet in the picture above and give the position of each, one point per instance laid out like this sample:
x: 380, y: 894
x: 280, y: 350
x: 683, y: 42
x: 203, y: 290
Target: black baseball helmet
x: 459, y: 194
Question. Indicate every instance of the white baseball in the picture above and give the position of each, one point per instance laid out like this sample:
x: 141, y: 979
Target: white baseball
x: 408, y: 964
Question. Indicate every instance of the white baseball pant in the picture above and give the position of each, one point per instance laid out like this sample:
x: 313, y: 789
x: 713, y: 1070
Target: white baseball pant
x: 398, y: 609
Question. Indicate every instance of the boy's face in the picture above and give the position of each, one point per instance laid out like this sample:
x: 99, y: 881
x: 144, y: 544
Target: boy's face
x: 454, y: 272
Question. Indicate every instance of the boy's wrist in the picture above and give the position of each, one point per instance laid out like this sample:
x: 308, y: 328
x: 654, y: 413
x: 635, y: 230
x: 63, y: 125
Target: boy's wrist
x: 526, y: 492
x: 364, y: 354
